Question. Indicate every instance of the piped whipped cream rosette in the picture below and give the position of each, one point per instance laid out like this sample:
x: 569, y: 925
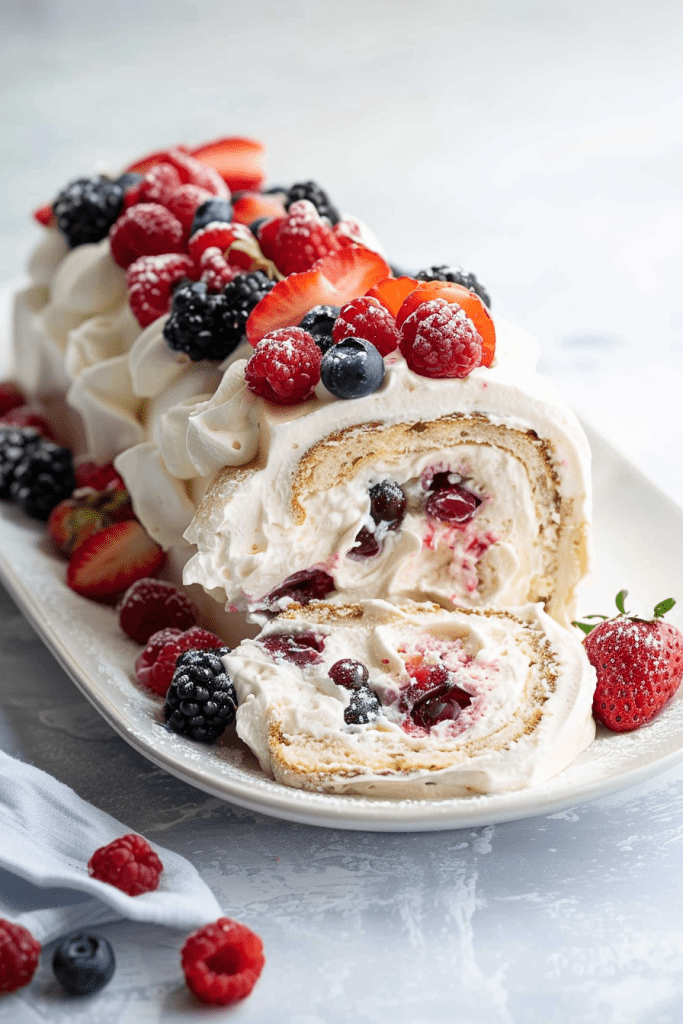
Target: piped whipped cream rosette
x: 413, y: 700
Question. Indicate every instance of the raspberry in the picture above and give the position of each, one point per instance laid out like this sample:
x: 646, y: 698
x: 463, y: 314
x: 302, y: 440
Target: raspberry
x: 185, y: 202
x: 147, y: 229
x: 301, y: 238
x: 222, y: 962
x: 150, y: 281
x: 129, y: 863
x: 157, y: 186
x: 285, y: 366
x: 194, y: 172
x: 19, y: 953
x: 222, y: 236
x: 367, y: 318
x: 11, y: 396
x: 155, y: 666
x: 215, y: 272
x: 439, y: 340
x: 151, y: 605
x: 27, y: 416
x: 89, y: 474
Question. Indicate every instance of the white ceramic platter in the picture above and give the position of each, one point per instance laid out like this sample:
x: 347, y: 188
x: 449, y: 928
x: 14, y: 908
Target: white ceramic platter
x: 639, y: 544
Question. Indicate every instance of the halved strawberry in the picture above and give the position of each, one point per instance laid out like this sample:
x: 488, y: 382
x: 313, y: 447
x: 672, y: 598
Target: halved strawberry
x: 45, y: 216
x: 471, y: 303
x: 251, y: 206
x: 162, y: 156
x: 333, y: 280
x: 393, y: 291
x: 85, y: 513
x: 239, y: 161
x: 109, y: 561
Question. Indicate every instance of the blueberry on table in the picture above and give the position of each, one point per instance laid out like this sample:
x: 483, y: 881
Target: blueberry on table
x: 83, y: 963
x: 352, y: 369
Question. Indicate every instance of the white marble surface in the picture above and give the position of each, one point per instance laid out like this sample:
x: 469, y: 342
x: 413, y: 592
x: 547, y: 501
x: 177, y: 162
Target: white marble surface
x: 541, y: 144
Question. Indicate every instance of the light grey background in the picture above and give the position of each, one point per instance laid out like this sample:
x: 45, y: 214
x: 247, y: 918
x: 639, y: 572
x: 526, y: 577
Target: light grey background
x: 541, y: 145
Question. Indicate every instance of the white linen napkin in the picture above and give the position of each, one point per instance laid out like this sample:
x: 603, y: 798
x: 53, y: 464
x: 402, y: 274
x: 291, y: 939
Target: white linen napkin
x: 47, y: 836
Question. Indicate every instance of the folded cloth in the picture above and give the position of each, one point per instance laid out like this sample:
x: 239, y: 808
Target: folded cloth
x: 47, y: 836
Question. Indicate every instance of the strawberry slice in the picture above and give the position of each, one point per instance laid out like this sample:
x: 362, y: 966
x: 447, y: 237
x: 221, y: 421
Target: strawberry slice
x: 162, y: 156
x: 252, y: 206
x: 239, y: 161
x: 111, y: 560
x: 334, y: 280
x: 392, y: 291
x: 45, y: 216
x: 471, y: 303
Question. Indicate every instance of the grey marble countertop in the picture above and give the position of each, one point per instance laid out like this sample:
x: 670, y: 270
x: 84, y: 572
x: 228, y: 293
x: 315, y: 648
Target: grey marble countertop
x: 541, y: 145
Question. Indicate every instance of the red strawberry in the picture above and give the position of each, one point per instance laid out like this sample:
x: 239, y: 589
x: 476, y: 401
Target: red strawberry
x: 639, y: 665
x: 150, y: 281
x: 28, y: 416
x: 393, y: 291
x: 11, y: 396
x: 251, y: 206
x: 239, y: 161
x: 109, y: 561
x: 296, y: 241
x: 332, y: 281
x: 471, y: 303
x: 78, y: 517
x: 45, y: 216
x: 161, y: 156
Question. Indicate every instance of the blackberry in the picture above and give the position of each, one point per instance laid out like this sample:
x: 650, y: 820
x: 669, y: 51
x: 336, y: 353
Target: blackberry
x: 319, y: 323
x: 364, y: 706
x: 43, y: 478
x: 313, y: 192
x: 458, y: 276
x: 201, y: 700
x: 15, y: 444
x: 196, y: 325
x: 240, y: 296
x: 87, y: 208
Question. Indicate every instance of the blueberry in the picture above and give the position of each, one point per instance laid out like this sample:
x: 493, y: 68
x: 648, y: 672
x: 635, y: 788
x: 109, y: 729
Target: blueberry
x: 352, y: 369
x: 319, y: 323
x: 256, y: 224
x: 128, y: 179
x: 83, y: 963
x: 210, y: 211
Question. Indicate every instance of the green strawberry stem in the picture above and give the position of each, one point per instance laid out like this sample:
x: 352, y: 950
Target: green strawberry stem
x: 660, y: 610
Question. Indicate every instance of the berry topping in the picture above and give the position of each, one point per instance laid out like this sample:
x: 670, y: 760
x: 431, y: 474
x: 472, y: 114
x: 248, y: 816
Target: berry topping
x: 211, y: 211
x: 299, y: 648
x: 333, y: 280
x: 393, y: 291
x: 214, y: 270
x: 439, y: 340
x: 434, y: 696
x: 11, y: 396
x: 15, y: 444
x: 239, y: 161
x: 352, y: 369
x: 639, y: 665
x: 43, y: 478
x: 147, y: 229
x: 109, y: 561
x: 83, y: 963
x: 150, y: 281
x: 456, y: 275
x: 224, y: 236
x: 349, y: 673
x: 154, y: 668
x: 76, y: 518
x: 151, y: 605
x: 45, y: 215
x: 157, y: 185
x: 86, y: 209
x: 301, y: 587
x: 185, y: 201
x: 453, y: 504
x: 19, y: 954
x: 128, y: 863
x: 364, y: 707
x: 367, y: 545
x: 296, y: 241
x: 128, y: 180
x: 314, y: 194
x: 201, y: 700
x: 387, y: 503
x: 196, y: 325
x: 467, y: 300
x: 437, y: 705
x: 367, y: 318
x: 89, y: 474
x: 285, y: 366
x: 222, y: 962
x: 27, y: 416
x: 241, y: 296
x: 253, y: 206
x: 319, y: 323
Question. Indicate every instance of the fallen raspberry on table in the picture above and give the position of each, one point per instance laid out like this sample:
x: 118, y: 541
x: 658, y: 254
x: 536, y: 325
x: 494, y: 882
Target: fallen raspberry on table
x: 129, y: 863
x: 214, y: 270
x: 439, y: 340
x: 222, y: 962
x: 151, y: 605
x: 150, y: 281
x: 285, y: 366
x: 296, y: 241
x: 367, y: 318
x: 147, y: 229
x: 19, y: 953
x: 154, y: 668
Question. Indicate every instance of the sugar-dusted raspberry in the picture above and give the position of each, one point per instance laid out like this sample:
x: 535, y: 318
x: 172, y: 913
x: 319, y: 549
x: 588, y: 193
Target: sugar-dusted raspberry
x: 150, y: 281
x: 301, y: 238
x: 11, y: 396
x: 150, y: 605
x: 285, y: 366
x: 367, y: 318
x: 156, y: 186
x: 28, y: 416
x: 222, y: 962
x: 19, y: 953
x: 89, y: 474
x: 194, y: 172
x: 222, y: 236
x: 147, y: 229
x: 214, y: 270
x: 185, y: 201
x: 439, y: 340
x: 155, y: 666
x: 129, y: 863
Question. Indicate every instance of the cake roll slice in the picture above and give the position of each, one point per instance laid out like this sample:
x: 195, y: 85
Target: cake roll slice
x: 414, y: 700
